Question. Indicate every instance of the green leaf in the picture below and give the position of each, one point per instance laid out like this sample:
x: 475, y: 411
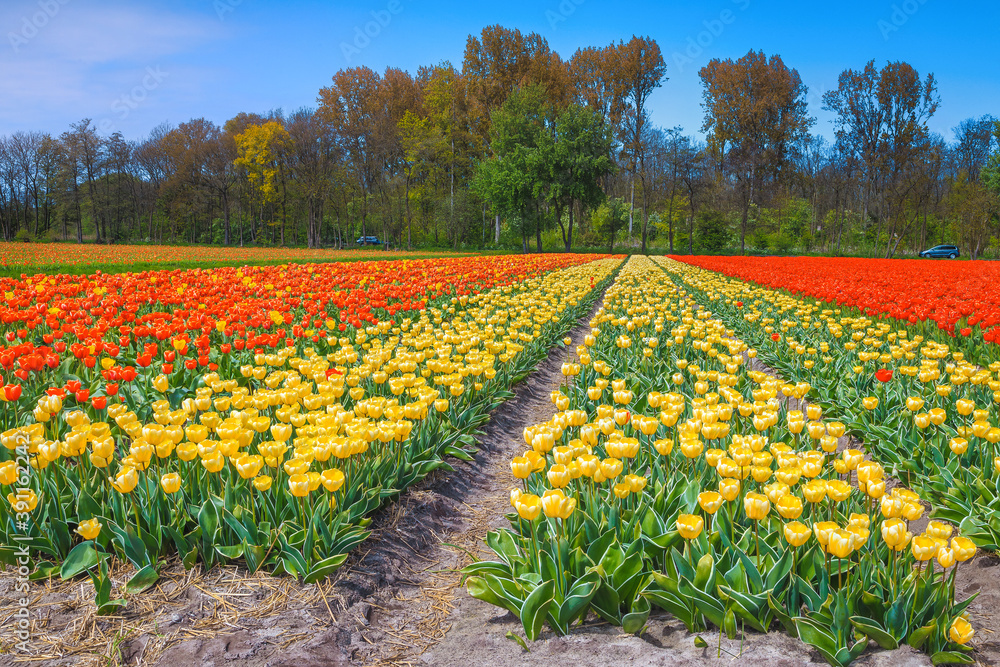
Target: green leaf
x: 634, y: 621
x: 820, y: 639
x: 534, y: 609
x: 517, y: 638
x: 951, y: 658
x: 919, y: 637
x: 324, y: 568
x: 873, y: 630
x: 578, y: 598
x: 700, y: 642
x: 82, y: 557
x: 111, y: 607
x: 142, y: 580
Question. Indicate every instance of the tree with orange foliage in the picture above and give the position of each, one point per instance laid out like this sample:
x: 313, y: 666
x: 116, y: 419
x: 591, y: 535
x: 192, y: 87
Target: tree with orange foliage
x: 755, y: 114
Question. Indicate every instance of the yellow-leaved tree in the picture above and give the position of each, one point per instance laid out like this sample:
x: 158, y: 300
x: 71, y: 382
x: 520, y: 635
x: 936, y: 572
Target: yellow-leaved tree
x: 258, y: 151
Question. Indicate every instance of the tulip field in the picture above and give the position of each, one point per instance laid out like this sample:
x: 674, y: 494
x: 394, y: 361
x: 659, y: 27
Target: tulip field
x: 808, y: 446
x: 90, y: 257
x: 677, y: 474
x: 255, y: 414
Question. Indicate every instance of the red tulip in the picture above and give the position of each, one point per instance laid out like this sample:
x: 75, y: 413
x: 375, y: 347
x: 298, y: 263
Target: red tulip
x: 99, y: 402
x: 111, y: 389
x: 12, y: 392
x: 883, y: 375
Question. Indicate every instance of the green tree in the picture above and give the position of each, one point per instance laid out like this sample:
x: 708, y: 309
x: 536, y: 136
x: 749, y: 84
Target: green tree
x: 509, y: 178
x: 610, y: 217
x: 713, y: 231
x: 573, y: 158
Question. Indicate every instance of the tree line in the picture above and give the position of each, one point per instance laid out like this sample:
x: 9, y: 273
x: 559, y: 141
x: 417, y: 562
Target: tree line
x: 521, y: 148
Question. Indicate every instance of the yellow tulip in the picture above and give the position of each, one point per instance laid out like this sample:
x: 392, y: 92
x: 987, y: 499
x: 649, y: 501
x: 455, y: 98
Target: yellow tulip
x: 776, y: 491
x: 528, y: 506
x: 298, y: 485
x: 521, y: 467
x: 692, y: 448
x: 964, y: 548
x: 789, y: 507
x: 729, y: 489
x: 170, y: 482
x: 815, y: 490
x: 332, y: 479
x: 8, y: 473
x: 945, y: 557
x: 636, y: 483
x: 912, y: 511
x: 690, y: 526
x: 556, y: 505
x: 840, y: 543
x: 914, y: 403
x: 663, y: 446
x: 611, y: 468
x: 796, y: 533
x: 939, y: 530
x: 161, y: 384
x: 126, y: 481
x: 838, y: 490
x: 558, y: 476
x: 958, y: 446
x: 965, y: 406
x: 960, y: 631
x: 756, y: 505
x: 710, y: 501
x: 870, y: 402
x: 822, y: 530
x: 924, y: 548
x: 89, y: 529
x: 262, y: 483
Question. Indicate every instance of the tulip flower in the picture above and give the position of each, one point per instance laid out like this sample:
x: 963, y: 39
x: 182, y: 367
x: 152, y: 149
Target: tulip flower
x: 262, y: 483
x: 690, y: 526
x: 528, y: 506
x: 964, y: 548
x: 126, y: 481
x: 789, y: 507
x: 24, y: 501
x: 170, y: 482
x: 89, y: 529
x: 796, y: 533
x: 710, y: 501
x: 840, y: 543
x: 332, y: 479
x: 298, y: 485
x: 924, y: 548
x: 556, y: 505
x: 961, y: 631
x: 939, y: 530
x: 521, y: 467
x: 729, y: 489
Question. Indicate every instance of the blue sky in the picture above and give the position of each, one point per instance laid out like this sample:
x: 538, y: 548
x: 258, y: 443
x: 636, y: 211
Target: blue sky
x: 133, y: 65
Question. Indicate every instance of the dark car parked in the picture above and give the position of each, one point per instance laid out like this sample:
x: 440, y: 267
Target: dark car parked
x: 949, y: 251
x: 367, y: 240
